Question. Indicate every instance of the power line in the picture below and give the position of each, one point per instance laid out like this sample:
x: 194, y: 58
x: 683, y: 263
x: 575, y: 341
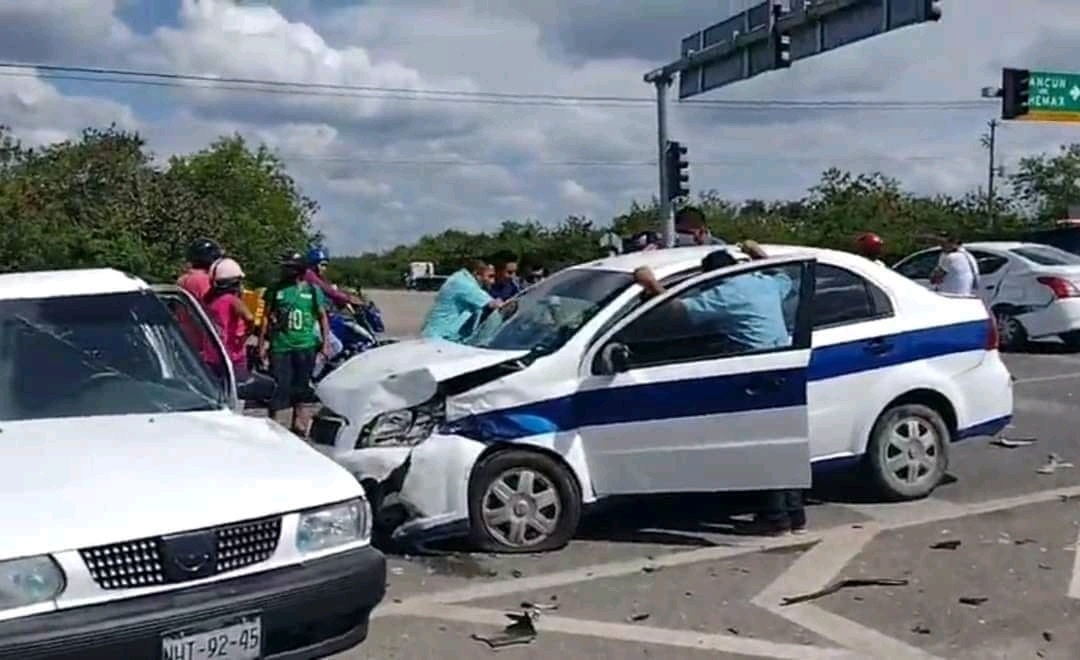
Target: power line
x: 741, y: 161
x: 103, y: 75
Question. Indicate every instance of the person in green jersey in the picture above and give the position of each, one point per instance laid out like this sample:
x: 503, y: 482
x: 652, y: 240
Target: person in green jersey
x: 291, y: 338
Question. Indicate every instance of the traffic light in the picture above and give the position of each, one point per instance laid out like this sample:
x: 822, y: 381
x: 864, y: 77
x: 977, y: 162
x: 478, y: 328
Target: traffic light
x: 932, y: 10
x: 782, y: 51
x: 675, y: 165
x: 1015, y: 85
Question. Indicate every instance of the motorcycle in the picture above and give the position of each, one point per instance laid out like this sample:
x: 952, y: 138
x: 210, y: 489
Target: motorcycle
x: 354, y: 331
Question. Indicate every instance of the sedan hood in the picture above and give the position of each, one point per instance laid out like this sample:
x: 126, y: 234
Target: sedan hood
x: 75, y: 483
x: 401, y: 375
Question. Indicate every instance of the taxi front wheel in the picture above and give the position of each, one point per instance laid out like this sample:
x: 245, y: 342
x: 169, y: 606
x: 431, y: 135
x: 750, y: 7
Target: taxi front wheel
x: 908, y: 453
x: 522, y: 501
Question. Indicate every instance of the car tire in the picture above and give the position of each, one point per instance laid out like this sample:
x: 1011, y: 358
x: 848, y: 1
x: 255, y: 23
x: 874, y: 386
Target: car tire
x: 1011, y: 332
x: 906, y: 439
x: 504, y: 518
x: 1071, y: 339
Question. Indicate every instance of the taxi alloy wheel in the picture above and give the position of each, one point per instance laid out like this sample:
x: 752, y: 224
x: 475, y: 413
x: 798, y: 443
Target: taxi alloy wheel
x: 522, y: 501
x: 909, y: 451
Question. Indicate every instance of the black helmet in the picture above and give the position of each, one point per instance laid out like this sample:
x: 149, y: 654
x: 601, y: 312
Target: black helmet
x: 292, y: 258
x: 203, y: 252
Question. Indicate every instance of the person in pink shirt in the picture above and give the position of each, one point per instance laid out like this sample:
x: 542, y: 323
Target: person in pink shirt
x: 233, y: 320
x: 317, y: 260
x: 201, y: 254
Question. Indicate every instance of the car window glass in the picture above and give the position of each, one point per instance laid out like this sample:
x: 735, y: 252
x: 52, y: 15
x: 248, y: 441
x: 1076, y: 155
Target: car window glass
x: 1044, y: 255
x: 841, y: 296
x: 988, y: 263
x: 919, y: 266
x: 747, y: 312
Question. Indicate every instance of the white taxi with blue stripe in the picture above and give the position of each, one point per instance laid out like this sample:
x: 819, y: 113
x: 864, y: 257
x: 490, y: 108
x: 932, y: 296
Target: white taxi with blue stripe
x: 583, y: 388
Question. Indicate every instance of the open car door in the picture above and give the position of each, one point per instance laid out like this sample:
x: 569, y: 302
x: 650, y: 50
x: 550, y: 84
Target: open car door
x: 675, y: 398
x: 199, y: 330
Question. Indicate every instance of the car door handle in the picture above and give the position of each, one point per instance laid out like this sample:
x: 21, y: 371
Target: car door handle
x: 768, y: 384
x: 878, y: 346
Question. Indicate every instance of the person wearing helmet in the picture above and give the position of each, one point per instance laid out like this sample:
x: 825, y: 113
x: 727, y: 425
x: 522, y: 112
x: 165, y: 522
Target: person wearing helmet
x: 232, y: 318
x: 317, y: 260
x: 201, y: 254
x: 871, y: 246
x: 295, y: 332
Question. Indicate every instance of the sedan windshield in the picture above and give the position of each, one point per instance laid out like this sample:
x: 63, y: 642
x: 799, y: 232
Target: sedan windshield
x: 1044, y: 255
x: 81, y: 356
x: 547, y: 315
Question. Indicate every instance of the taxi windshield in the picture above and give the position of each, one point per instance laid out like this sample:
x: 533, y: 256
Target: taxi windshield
x: 82, y: 356
x: 545, y: 316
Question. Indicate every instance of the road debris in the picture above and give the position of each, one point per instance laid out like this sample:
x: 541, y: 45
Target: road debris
x: 1013, y: 443
x: 951, y: 544
x: 1053, y: 464
x: 920, y: 629
x: 640, y: 616
x: 650, y: 568
x: 973, y: 601
x: 1048, y: 636
x: 847, y: 583
x: 521, y: 630
x: 539, y: 607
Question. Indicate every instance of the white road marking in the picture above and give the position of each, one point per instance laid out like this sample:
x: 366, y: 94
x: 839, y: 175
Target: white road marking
x: 899, y: 513
x: 1074, y: 583
x: 643, y: 634
x: 1040, y: 407
x: 815, y: 570
x: 1048, y: 379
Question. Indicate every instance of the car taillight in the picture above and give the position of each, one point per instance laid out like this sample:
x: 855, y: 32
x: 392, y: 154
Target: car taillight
x: 1061, y: 287
x: 992, y: 337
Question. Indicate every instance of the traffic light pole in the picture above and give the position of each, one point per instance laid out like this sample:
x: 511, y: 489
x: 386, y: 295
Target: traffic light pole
x: 665, y: 208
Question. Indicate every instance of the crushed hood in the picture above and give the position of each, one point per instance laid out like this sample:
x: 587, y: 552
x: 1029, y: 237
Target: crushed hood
x: 82, y: 482
x: 401, y: 375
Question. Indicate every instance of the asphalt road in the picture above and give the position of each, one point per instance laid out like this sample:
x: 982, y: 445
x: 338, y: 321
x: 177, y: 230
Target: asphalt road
x: 664, y: 580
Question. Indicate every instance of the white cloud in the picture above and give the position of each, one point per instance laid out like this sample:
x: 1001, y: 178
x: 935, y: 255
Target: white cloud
x: 389, y: 167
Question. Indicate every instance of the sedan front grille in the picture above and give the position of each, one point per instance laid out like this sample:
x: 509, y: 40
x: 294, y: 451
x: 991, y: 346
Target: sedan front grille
x: 142, y: 562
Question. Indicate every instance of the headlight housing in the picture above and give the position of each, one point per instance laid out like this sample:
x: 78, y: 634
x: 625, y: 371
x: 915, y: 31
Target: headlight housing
x: 29, y: 581
x: 332, y: 526
x: 402, y: 428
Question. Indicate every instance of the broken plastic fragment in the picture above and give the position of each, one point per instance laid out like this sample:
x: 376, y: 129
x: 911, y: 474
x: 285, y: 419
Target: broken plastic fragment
x: 1013, y: 443
x: 520, y: 631
x: 973, y: 601
x: 951, y: 544
x: 845, y: 584
x: 1053, y: 464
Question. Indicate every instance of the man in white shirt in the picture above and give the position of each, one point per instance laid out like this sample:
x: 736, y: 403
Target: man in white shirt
x: 957, y: 272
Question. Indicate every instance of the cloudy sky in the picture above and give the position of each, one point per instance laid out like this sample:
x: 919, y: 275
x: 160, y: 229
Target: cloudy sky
x: 513, y: 138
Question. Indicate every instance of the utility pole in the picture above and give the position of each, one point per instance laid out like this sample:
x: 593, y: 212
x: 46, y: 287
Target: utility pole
x: 991, y: 202
x: 661, y: 80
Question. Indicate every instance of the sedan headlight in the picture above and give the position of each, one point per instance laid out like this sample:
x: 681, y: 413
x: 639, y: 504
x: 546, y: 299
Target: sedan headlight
x: 29, y: 580
x: 331, y: 526
x: 401, y: 427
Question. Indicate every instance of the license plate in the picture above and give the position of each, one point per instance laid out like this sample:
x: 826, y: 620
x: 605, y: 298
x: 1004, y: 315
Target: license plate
x: 238, y: 640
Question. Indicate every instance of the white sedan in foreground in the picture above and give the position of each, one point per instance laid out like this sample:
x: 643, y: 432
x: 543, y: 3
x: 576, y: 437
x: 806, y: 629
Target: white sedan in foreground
x: 1032, y: 289
x: 582, y: 389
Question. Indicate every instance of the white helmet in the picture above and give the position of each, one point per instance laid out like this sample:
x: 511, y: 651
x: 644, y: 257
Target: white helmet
x: 226, y: 269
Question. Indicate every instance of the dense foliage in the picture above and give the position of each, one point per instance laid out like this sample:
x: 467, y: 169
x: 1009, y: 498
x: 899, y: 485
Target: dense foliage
x: 102, y: 199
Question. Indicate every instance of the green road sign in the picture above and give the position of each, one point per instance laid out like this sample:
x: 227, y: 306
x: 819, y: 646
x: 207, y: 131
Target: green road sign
x: 1054, y: 97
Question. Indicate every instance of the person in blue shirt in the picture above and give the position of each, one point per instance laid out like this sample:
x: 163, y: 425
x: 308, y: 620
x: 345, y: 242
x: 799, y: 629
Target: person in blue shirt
x: 747, y: 309
x: 506, y: 284
x: 460, y: 302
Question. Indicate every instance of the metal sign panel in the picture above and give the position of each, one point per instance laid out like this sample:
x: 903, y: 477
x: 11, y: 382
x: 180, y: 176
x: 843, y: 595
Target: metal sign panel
x: 1053, y: 96
x: 737, y: 48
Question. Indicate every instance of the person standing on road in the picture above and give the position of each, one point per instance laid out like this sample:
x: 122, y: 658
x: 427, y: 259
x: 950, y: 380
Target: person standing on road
x: 233, y: 320
x: 506, y: 284
x: 691, y: 229
x: 870, y: 246
x: 294, y: 333
x: 957, y: 272
x: 201, y: 254
x: 460, y: 301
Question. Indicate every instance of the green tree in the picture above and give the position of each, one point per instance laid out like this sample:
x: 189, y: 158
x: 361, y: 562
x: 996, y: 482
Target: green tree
x: 1045, y: 186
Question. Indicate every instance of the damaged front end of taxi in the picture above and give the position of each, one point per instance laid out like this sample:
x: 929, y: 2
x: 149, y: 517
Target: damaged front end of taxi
x: 387, y: 422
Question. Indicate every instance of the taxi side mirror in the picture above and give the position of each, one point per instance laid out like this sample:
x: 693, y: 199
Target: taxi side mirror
x: 613, y: 359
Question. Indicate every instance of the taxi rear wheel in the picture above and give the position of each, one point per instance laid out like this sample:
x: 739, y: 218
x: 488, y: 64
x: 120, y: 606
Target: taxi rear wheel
x: 908, y: 452
x: 522, y: 501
